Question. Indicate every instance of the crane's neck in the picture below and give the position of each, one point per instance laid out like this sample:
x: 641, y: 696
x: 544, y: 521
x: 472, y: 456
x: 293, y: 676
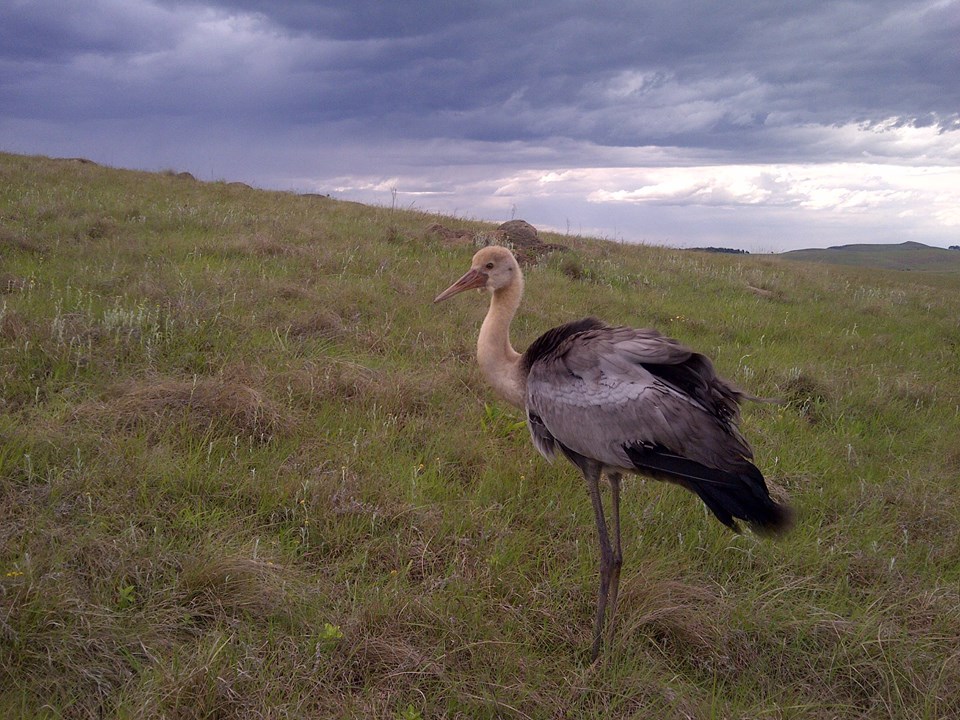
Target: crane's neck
x: 499, y: 362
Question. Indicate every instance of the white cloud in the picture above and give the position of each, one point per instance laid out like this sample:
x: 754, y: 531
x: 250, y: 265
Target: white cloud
x: 810, y: 204
x: 894, y: 140
x: 833, y: 187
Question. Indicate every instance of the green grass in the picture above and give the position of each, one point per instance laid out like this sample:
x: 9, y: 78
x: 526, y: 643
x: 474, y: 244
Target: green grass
x: 247, y: 469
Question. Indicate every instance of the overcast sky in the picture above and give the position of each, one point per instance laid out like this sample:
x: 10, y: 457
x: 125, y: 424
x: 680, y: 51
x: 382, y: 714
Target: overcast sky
x: 761, y: 125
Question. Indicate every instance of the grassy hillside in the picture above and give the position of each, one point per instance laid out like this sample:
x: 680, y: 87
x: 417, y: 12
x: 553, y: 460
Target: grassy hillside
x: 247, y: 469
x: 905, y: 256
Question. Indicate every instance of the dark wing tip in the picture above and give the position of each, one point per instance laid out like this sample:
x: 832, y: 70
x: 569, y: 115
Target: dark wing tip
x: 777, y: 520
x: 737, y: 493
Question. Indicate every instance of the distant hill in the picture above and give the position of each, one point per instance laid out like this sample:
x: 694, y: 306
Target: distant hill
x: 904, y: 256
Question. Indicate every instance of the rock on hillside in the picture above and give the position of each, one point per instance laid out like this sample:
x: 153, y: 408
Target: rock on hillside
x: 519, y: 235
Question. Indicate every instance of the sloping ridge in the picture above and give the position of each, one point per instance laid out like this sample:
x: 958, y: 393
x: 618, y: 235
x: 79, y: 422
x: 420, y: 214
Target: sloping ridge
x: 875, y: 247
x: 910, y: 255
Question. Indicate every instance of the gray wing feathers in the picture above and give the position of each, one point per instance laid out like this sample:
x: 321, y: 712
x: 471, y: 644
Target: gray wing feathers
x: 543, y: 440
x: 621, y: 347
x: 594, y: 395
x: 648, y: 346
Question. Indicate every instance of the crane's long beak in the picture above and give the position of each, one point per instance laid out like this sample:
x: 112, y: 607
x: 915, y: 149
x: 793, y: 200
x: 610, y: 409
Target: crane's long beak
x: 473, y: 279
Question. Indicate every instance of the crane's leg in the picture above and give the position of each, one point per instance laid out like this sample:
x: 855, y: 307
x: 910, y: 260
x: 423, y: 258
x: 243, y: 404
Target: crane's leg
x: 592, y: 476
x: 617, y: 559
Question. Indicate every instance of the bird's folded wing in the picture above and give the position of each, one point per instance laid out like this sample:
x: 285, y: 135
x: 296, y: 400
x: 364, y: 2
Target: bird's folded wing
x: 597, y: 395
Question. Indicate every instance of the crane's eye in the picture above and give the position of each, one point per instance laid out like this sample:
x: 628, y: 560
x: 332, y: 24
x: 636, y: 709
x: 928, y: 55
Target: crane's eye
x: 489, y: 266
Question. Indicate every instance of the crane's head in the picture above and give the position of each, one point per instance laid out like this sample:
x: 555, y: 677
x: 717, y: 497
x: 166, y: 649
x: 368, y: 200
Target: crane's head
x: 493, y: 268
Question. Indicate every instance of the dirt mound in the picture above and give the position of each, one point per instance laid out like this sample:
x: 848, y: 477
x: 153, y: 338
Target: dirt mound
x: 524, y: 240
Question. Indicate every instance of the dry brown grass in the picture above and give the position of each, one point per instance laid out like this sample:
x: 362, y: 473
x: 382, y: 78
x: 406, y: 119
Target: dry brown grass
x: 10, y: 283
x: 215, y: 587
x: 14, y: 240
x: 322, y: 323
x: 205, y: 404
x: 13, y: 326
x: 344, y: 381
x: 670, y: 612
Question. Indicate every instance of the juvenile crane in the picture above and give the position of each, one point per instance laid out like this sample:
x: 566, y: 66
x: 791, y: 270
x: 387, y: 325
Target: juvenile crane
x: 617, y: 400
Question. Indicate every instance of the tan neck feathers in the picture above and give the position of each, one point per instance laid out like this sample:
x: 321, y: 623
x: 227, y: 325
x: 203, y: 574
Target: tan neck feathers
x: 499, y: 362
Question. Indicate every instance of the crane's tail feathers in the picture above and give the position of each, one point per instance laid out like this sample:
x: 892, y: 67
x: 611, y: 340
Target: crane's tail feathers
x: 737, y: 494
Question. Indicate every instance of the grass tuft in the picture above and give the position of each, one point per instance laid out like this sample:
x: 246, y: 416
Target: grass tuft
x: 203, y: 405
x: 234, y: 586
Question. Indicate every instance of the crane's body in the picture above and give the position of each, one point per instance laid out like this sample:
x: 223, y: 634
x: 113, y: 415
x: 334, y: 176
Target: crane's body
x: 617, y: 400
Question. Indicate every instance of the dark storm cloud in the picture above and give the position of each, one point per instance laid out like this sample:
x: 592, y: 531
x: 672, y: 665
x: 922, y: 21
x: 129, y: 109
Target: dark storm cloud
x: 556, y: 105
x: 363, y: 19
x: 539, y: 69
x: 693, y: 73
x: 39, y: 32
